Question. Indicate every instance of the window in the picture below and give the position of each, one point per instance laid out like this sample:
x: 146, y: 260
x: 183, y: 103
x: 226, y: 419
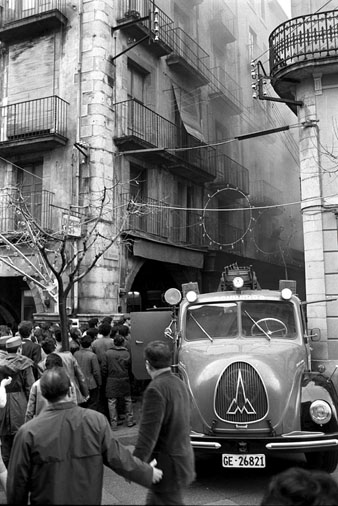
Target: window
x: 136, y: 82
x: 182, y: 19
x: 252, y: 44
x: 30, y: 184
x: 138, y: 183
x: 263, y: 9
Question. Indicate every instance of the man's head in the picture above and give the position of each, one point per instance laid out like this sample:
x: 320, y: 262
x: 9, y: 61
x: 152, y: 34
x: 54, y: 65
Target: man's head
x: 13, y: 344
x: 118, y: 340
x: 92, y: 323
x: 53, y: 360
x: 123, y: 330
x: 48, y: 345
x: 158, y: 355
x: 107, y: 319
x: 57, y: 335
x: 5, y: 331
x: 302, y: 487
x: 86, y: 341
x: 104, y: 329
x: 55, y: 384
x: 25, y: 329
x: 92, y: 333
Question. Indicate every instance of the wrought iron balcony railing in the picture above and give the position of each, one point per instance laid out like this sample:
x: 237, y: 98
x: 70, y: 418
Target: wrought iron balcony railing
x: 33, y: 118
x: 146, y: 215
x: 232, y: 237
x: 230, y: 172
x: 263, y: 192
x: 187, y: 228
x: 188, y: 50
x: 136, y: 9
x: 222, y: 21
x: 154, y: 217
x: 310, y: 38
x: 136, y: 120
x: 222, y: 83
x: 19, y: 10
x: 39, y: 205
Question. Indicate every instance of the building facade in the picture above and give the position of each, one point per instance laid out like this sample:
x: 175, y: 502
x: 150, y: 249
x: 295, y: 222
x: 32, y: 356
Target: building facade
x: 303, y: 66
x: 152, y: 101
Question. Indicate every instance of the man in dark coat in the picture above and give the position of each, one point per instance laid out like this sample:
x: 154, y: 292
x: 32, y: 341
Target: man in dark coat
x: 12, y: 416
x: 29, y: 348
x: 165, y: 428
x: 89, y: 365
x: 58, y: 457
x: 116, y: 372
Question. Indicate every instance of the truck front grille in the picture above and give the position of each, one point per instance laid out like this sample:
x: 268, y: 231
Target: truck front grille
x: 240, y: 394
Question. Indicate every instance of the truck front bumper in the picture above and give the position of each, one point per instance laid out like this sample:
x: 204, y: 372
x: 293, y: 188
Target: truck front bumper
x: 296, y: 442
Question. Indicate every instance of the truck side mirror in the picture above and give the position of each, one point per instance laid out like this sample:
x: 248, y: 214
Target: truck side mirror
x: 315, y: 334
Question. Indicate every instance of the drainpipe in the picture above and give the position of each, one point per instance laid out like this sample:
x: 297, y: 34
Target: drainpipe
x: 78, y: 134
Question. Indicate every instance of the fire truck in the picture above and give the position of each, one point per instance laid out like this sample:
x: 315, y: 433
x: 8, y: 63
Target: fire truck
x: 245, y: 355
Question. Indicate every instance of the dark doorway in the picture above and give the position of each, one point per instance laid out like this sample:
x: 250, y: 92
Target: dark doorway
x: 14, y: 296
x: 151, y: 282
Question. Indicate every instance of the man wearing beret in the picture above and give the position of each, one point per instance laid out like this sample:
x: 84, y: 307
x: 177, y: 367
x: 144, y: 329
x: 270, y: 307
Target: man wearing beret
x: 12, y: 416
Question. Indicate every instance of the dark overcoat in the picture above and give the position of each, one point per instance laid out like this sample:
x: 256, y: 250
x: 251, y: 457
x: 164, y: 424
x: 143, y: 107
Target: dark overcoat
x: 164, y: 432
x: 115, y: 368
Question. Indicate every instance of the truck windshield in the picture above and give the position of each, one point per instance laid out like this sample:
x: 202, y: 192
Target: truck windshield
x: 266, y: 319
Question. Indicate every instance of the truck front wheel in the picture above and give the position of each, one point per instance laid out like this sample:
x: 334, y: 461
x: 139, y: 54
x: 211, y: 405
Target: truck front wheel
x: 324, y: 461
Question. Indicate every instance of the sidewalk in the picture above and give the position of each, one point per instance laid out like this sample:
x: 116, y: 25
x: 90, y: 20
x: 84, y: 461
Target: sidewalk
x: 128, y: 435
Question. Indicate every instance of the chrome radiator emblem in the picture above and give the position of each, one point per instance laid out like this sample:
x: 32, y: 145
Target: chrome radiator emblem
x: 240, y: 402
x: 240, y: 394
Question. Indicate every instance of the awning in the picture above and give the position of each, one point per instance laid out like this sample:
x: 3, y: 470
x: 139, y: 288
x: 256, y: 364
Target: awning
x: 167, y: 253
x: 188, y: 109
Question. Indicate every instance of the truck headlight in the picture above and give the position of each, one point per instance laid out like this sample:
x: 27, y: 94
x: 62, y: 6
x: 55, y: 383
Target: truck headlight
x: 320, y: 412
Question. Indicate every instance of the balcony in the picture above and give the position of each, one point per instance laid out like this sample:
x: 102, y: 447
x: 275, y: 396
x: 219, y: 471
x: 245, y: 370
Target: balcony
x: 24, y: 18
x: 264, y: 194
x: 224, y: 91
x: 155, y: 218
x: 33, y: 125
x: 222, y: 23
x: 230, y: 173
x: 301, y: 46
x: 39, y: 205
x: 149, y: 136
x: 133, y: 10
x: 189, y: 59
x: 233, y: 237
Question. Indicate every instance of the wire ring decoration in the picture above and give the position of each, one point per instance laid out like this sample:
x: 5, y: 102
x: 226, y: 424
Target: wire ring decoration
x: 248, y: 228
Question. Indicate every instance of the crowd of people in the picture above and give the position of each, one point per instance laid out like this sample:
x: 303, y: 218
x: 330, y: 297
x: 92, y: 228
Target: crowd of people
x: 59, y: 408
x: 49, y: 436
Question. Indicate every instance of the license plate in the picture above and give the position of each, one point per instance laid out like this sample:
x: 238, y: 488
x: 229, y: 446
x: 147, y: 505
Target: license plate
x: 244, y: 461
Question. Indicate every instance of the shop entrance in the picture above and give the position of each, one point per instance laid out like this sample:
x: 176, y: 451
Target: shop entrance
x: 149, y: 286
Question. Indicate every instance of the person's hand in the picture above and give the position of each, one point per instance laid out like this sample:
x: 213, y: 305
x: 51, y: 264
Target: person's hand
x: 6, y: 381
x: 157, y: 473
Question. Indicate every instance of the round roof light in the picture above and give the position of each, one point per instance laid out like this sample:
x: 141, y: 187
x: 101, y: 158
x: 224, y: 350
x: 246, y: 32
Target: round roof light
x: 173, y: 296
x: 286, y: 293
x: 191, y: 296
x: 238, y: 282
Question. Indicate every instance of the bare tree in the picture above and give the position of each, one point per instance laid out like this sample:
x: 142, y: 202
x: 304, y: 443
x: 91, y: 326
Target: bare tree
x: 66, y: 256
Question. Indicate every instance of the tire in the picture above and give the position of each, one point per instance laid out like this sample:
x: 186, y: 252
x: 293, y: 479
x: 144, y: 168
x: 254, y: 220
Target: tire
x: 323, y: 461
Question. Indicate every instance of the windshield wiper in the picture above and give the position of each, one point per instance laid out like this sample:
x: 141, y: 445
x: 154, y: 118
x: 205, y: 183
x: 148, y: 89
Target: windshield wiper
x: 258, y: 326
x: 202, y: 329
